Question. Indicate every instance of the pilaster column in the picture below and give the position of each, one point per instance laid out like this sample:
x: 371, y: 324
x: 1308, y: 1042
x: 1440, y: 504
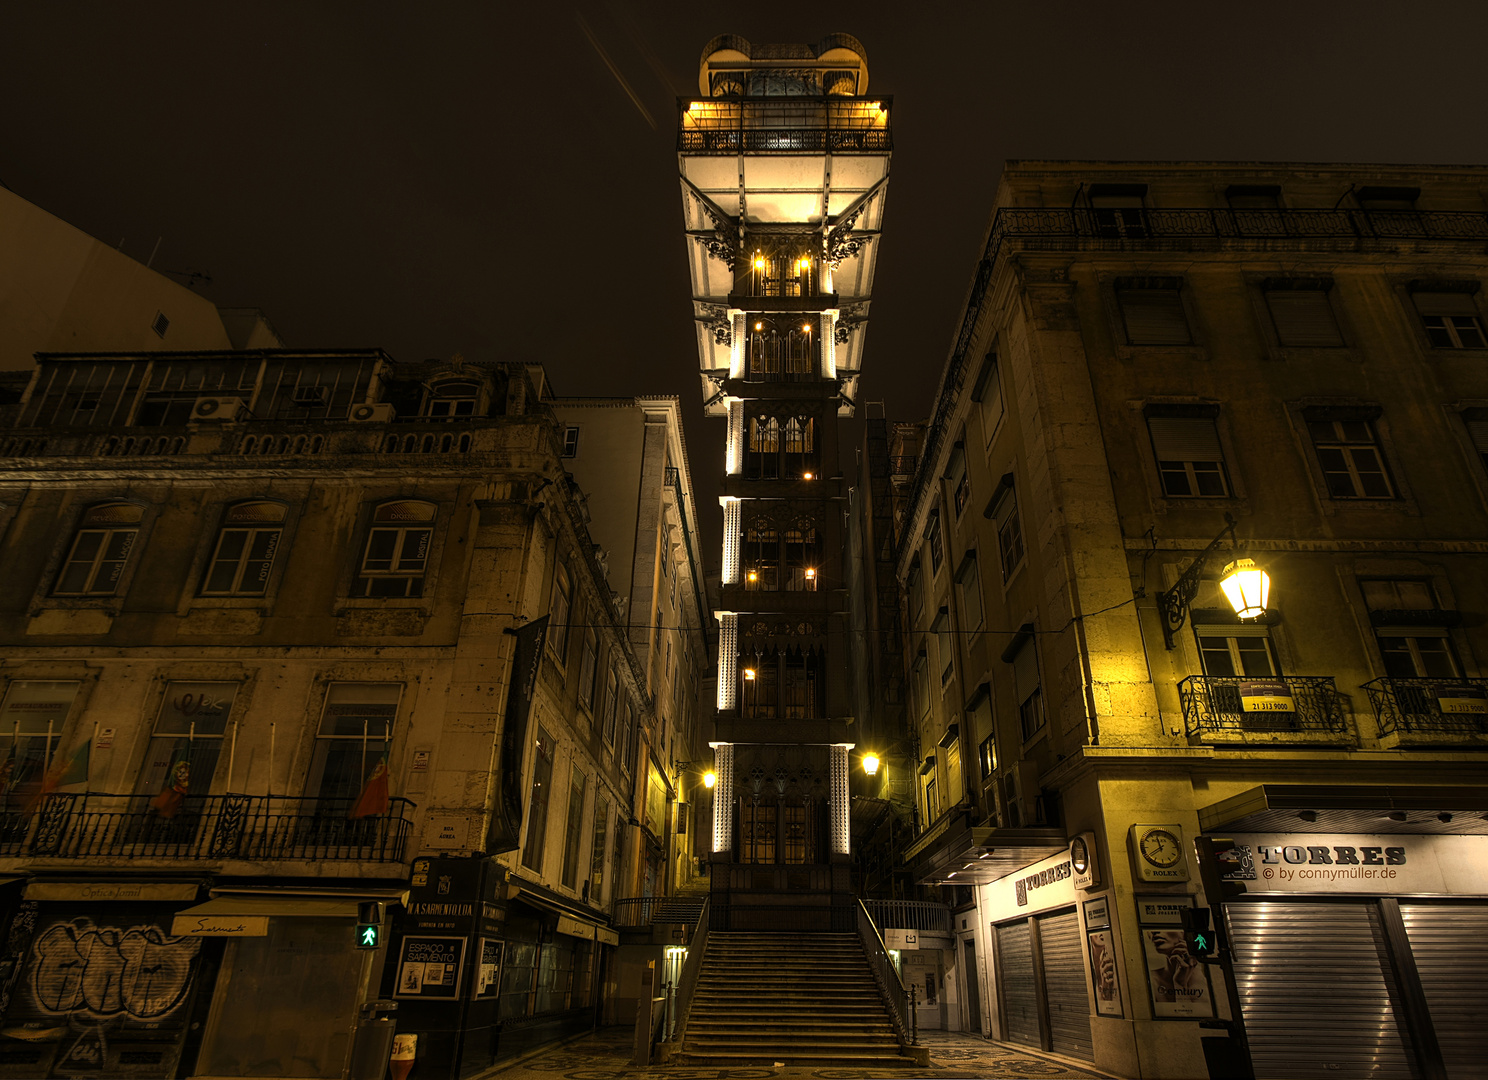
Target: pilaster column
x: 734, y: 454
x: 837, y: 767
x: 732, y: 534
x: 728, y: 660
x: 723, y: 795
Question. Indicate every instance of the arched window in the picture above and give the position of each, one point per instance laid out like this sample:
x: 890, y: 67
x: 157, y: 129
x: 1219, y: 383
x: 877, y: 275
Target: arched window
x: 759, y: 824
x: 798, y: 353
x: 802, y: 671
x: 802, y: 560
x: 100, y: 550
x: 800, y: 447
x: 759, y: 675
x: 397, y: 553
x: 764, y: 353
x: 761, y: 560
x: 452, y: 398
x: 762, y: 461
x: 246, y: 546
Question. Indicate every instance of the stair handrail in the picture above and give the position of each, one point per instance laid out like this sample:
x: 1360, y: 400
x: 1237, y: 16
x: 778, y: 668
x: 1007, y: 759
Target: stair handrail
x: 890, y: 986
x: 691, y: 969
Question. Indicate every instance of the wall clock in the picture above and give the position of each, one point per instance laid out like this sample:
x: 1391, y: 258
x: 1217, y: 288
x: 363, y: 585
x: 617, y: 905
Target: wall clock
x: 1157, y: 853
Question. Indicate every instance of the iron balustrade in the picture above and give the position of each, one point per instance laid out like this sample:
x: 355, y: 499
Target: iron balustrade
x: 885, y: 974
x: 910, y: 915
x: 637, y: 911
x: 783, y: 141
x: 692, y: 967
x: 1416, y: 706
x: 92, y: 825
x: 1212, y: 704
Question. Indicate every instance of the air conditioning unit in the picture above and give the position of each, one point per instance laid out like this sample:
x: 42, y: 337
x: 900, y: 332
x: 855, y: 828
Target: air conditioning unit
x: 309, y: 395
x: 381, y: 413
x: 218, y: 408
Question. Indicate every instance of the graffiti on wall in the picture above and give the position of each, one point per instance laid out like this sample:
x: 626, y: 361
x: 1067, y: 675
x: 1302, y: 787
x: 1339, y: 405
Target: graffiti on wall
x: 103, y: 971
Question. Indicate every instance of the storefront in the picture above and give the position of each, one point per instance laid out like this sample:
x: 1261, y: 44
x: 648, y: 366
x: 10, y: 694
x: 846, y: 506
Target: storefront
x: 1041, y: 994
x: 97, y: 984
x: 1378, y: 940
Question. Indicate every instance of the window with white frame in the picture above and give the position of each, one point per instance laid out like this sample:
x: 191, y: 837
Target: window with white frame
x: 598, y: 847
x: 354, y: 737
x: 611, y: 705
x: 1185, y: 443
x: 932, y: 535
x: 247, y: 544
x: 574, y: 833
x: 1450, y: 319
x: 452, y: 398
x: 570, y: 442
x: 1350, y: 456
x: 1027, y: 689
x: 1411, y: 628
x: 1301, y: 312
x: 1003, y: 509
x: 32, y: 717
x: 1477, y: 432
x: 558, y: 612
x: 987, y: 393
x: 396, y: 557
x: 100, y: 550
x: 969, y: 579
x: 533, y: 848
x: 186, y: 742
x: 587, y: 668
x: 945, y: 645
x: 1152, y: 311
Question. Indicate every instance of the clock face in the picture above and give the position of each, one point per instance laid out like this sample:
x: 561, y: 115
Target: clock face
x: 1160, y: 848
x: 1079, y: 855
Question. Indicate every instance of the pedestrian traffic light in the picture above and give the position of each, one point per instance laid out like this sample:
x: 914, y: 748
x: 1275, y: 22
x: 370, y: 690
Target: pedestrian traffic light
x: 369, y: 935
x: 1198, y: 935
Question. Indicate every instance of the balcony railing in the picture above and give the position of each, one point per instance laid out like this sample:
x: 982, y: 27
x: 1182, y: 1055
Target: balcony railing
x: 784, y: 140
x: 645, y: 910
x: 910, y: 915
x: 1215, y: 704
x: 89, y: 825
x: 1430, y: 706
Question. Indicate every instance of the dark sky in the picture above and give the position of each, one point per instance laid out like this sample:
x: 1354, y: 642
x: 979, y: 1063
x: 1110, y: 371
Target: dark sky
x: 471, y: 177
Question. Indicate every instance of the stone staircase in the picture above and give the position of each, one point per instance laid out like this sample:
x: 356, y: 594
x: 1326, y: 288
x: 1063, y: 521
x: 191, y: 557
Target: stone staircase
x: 801, y: 999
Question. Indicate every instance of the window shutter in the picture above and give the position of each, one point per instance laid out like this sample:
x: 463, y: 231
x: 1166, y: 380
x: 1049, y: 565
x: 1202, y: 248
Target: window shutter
x: 1154, y: 316
x: 1303, y: 317
x: 1178, y: 439
x: 1444, y: 303
x: 1477, y: 430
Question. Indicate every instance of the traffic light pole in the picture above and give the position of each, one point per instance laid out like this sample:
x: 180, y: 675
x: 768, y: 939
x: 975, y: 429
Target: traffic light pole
x: 1235, y: 1062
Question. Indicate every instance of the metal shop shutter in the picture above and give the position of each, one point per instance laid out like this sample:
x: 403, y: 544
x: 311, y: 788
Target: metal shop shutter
x: 1317, y: 991
x: 1015, y: 978
x: 1450, y: 944
x: 1064, y: 985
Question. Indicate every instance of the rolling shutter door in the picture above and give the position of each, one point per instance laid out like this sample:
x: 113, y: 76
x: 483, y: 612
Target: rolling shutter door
x: 1303, y: 317
x: 1064, y: 985
x: 1450, y: 944
x: 1304, y: 968
x: 1153, y: 316
x: 1015, y: 977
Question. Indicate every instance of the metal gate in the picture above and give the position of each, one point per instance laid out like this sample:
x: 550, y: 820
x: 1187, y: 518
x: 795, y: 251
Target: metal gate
x: 1064, y: 985
x: 1450, y: 946
x: 1015, y: 983
x: 1308, y: 968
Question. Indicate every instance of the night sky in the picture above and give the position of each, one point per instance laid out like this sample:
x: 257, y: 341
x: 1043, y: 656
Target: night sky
x: 473, y: 178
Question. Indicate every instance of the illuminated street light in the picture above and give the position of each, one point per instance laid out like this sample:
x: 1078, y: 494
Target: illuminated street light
x: 870, y: 764
x: 1247, y: 587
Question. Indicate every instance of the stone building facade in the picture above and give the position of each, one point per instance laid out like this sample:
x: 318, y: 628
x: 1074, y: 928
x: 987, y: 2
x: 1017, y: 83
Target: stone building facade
x: 1162, y: 368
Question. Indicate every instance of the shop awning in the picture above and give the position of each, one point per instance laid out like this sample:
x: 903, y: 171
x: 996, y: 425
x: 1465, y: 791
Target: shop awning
x: 975, y: 855
x: 248, y: 915
x: 112, y: 890
x: 570, y: 922
x: 1361, y: 808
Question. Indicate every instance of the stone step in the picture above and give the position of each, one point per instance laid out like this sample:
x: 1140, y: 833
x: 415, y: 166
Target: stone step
x: 714, y: 1028
x: 749, y: 1055
x: 788, y: 1041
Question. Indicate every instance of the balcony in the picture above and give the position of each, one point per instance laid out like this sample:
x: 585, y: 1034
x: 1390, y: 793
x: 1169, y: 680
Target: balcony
x: 1304, y: 710
x: 94, y: 825
x: 1430, y: 711
x: 785, y: 126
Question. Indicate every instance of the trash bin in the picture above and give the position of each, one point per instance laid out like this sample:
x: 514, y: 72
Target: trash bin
x: 373, y: 1043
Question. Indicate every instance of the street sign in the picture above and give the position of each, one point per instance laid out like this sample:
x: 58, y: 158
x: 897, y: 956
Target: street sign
x: 369, y: 935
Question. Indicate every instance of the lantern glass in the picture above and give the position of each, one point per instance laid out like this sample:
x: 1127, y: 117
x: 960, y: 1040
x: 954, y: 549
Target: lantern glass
x: 870, y: 764
x: 709, y: 779
x: 1247, y: 587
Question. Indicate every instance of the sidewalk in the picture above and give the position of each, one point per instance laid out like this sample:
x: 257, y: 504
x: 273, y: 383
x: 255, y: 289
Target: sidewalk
x: 606, y: 1055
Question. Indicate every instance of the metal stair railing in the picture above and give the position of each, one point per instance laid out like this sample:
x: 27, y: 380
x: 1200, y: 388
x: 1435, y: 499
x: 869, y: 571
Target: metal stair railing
x: 890, y: 988
x: 687, y: 982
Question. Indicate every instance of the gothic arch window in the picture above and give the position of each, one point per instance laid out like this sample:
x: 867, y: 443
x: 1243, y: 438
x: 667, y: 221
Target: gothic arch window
x: 761, y: 559
x: 762, y: 461
x: 800, y: 447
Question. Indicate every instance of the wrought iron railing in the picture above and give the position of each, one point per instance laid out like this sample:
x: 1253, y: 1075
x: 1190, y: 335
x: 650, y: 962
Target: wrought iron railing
x: 885, y: 975
x: 687, y: 982
x: 910, y: 915
x: 91, y: 825
x: 783, y: 140
x: 1219, y: 704
x: 1439, y: 706
x: 634, y: 911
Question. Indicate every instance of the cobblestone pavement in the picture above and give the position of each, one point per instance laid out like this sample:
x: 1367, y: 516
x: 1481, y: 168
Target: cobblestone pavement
x: 605, y: 1055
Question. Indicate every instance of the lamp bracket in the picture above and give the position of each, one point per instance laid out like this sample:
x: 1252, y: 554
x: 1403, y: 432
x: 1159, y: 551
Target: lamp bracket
x: 1173, y: 604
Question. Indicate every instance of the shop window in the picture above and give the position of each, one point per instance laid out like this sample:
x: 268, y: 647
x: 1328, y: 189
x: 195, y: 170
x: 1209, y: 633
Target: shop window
x: 559, y: 607
x: 969, y: 580
x: 1301, y: 313
x: 1450, y: 319
x: 186, y: 742
x: 246, y: 546
x: 32, y: 717
x: 1186, y: 445
x: 1152, y: 311
x: 354, y: 738
x: 1351, y: 458
x: 452, y: 399
x: 1003, y: 509
x: 396, y: 557
x: 611, y: 705
x: 587, y: 668
x: 574, y: 832
x: 537, y: 803
x: 987, y: 393
x: 100, y: 550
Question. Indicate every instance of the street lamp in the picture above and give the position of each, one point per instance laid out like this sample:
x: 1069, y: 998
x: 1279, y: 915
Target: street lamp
x: 1245, y: 585
x: 709, y: 779
x: 870, y: 764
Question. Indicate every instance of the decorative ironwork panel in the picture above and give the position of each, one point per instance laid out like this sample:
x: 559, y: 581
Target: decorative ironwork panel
x: 1429, y: 706
x: 723, y: 796
x: 839, y: 800
x: 728, y: 660
x: 731, y: 538
x: 1234, y: 704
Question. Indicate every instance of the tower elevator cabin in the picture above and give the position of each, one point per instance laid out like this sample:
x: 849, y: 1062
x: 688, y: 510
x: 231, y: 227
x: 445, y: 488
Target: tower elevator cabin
x: 784, y: 163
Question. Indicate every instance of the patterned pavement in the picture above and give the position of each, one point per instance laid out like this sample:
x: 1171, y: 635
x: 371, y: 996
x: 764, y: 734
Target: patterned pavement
x: 605, y: 1055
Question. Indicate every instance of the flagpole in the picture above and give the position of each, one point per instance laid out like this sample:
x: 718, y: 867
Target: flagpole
x: 232, y: 755
x: 88, y: 781
x: 364, y: 750
x: 269, y: 785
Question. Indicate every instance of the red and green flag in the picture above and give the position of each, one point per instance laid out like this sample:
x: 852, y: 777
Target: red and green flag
x: 375, y: 797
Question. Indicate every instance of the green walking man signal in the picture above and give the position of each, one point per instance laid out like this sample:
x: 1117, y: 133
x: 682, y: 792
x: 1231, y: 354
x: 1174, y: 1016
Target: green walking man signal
x: 1197, y: 934
x: 369, y: 935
